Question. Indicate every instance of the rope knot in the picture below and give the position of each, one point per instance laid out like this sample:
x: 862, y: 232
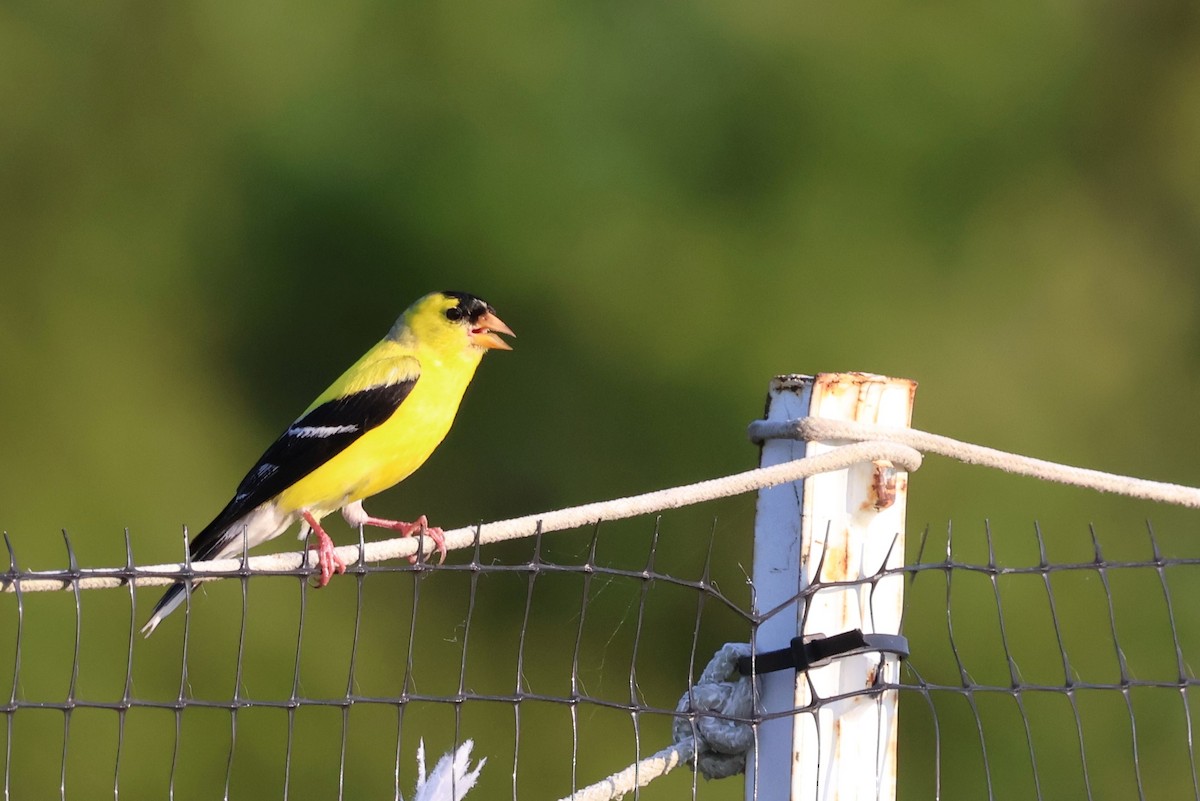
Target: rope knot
x: 715, y: 714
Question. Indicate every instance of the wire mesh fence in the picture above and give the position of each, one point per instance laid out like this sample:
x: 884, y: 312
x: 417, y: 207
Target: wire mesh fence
x: 561, y: 659
x: 1044, y: 662
x: 1029, y: 677
x: 1047, y: 677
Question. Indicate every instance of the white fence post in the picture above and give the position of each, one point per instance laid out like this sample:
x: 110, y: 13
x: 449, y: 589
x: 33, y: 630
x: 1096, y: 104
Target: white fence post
x: 850, y: 524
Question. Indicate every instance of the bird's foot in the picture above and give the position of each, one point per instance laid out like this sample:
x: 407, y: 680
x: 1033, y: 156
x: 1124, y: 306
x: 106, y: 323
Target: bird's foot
x: 327, y: 556
x: 357, y: 516
x: 419, y: 526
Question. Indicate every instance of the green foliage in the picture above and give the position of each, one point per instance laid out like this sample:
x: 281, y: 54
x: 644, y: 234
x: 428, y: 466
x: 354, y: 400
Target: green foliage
x: 208, y: 209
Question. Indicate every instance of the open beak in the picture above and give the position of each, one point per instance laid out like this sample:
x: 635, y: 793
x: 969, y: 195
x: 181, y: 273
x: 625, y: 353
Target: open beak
x: 483, y: 333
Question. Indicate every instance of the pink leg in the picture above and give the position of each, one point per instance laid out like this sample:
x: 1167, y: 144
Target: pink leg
x: 356, y: 516
x: 326, y: 555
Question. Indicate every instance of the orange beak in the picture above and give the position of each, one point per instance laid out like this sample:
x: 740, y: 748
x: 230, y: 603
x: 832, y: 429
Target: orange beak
x: 482, y: 333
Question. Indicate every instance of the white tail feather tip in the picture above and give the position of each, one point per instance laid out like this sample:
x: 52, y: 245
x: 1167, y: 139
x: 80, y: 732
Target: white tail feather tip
x: 450, y: 779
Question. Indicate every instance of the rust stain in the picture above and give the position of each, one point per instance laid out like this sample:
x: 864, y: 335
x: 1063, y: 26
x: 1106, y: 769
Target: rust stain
x: 868, y: 391
x: 862, y: 406
x: 836, y: 559
x: 873, y: 675
x: 883, y: 485
x: 837, y: 740
x: 791, y: 382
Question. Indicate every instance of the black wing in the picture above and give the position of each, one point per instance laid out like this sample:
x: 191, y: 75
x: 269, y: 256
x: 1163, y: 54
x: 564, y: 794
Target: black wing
x: 308, y: 443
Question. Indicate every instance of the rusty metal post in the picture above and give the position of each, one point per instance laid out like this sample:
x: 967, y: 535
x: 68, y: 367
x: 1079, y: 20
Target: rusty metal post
x: 849, y: 525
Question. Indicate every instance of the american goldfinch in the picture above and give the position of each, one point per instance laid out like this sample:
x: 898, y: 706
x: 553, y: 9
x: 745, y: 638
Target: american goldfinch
x: 369, y: 430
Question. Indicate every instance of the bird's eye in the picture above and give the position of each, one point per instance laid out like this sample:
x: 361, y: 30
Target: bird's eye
x: 454, y: 313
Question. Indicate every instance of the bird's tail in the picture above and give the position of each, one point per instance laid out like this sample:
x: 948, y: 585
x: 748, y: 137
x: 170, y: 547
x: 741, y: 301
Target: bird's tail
x: 260, y: 525
x: 170, y: 601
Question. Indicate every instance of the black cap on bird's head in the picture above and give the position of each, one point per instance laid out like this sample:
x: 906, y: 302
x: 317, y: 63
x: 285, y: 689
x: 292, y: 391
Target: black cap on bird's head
x: 479, y: 315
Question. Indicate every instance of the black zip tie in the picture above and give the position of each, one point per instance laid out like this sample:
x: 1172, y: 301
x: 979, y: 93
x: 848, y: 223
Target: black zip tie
x: 817, y: 650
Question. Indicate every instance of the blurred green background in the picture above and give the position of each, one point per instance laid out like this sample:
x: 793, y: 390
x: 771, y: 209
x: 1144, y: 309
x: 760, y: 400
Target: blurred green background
x: 209, y: 209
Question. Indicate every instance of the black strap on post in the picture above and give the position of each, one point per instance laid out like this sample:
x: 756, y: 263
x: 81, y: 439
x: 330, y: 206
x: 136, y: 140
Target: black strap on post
x: 817, y: 650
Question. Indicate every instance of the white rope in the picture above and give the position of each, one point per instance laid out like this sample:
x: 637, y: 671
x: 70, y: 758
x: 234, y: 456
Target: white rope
x: 636, y: 775
x: 902, y: 456
x: 813, y: 428
x: 901, y: 446
x: 716, y: 742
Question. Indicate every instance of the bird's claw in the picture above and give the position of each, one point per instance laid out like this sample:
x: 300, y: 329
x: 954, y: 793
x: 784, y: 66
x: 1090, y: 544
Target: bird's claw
x: 329, y: 563
x: 327, y: 557
x: 421, y: 527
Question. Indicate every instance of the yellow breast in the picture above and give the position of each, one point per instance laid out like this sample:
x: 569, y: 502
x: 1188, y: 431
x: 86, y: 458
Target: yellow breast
x: 389, y: 453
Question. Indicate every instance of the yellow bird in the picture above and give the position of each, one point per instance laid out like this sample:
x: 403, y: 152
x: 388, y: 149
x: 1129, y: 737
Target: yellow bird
x: 371, y: 429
